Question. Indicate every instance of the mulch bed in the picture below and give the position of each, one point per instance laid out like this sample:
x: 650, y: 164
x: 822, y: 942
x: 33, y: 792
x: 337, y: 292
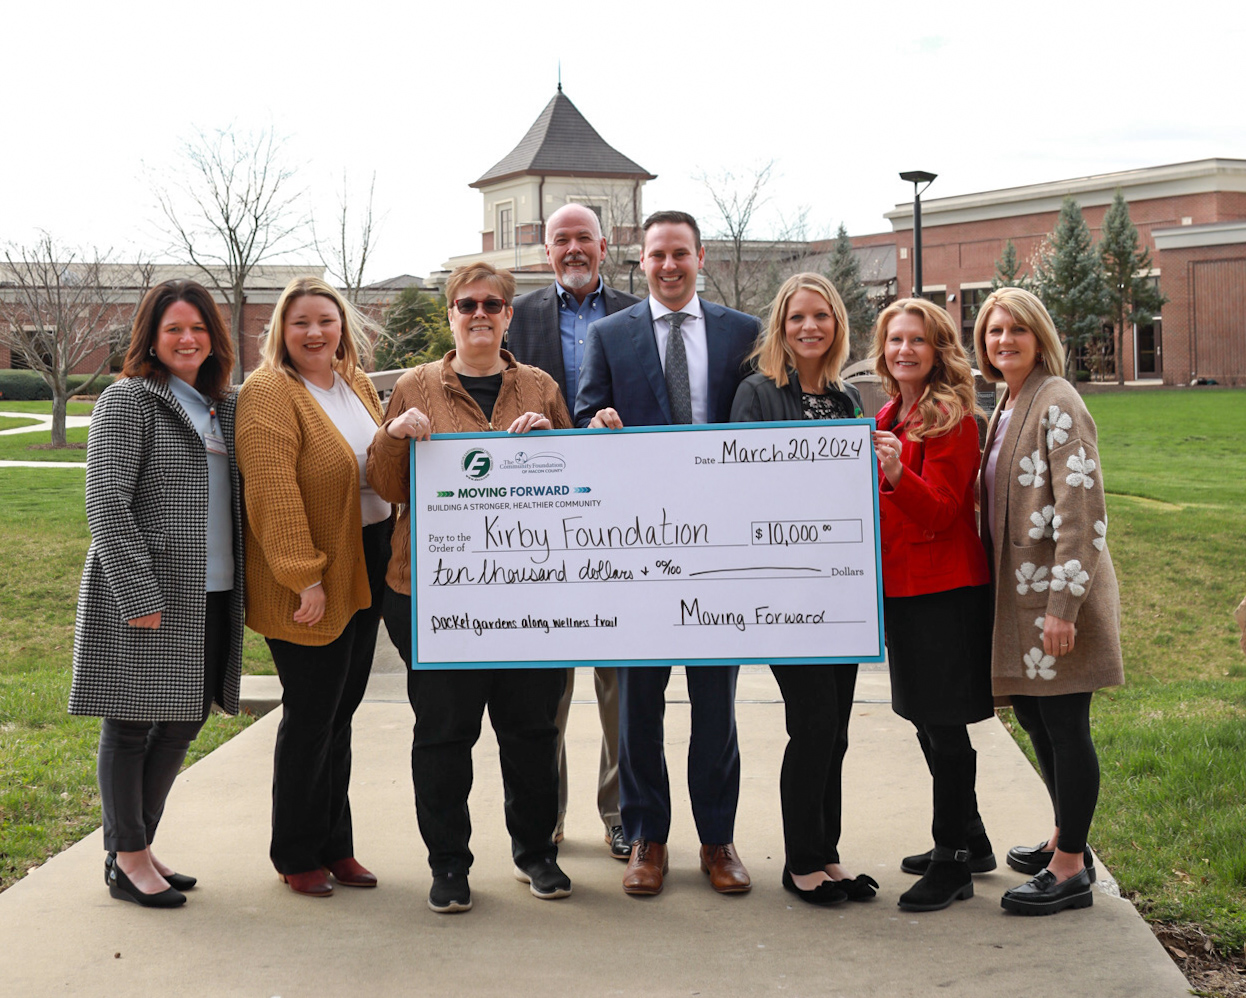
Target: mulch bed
x: 1208, y: 971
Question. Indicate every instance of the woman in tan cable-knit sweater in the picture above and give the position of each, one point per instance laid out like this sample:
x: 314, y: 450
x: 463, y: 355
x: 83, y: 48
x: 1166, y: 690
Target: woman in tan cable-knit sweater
x: 317, y: 544
x: 476, y: 387
x: 1057, y: 607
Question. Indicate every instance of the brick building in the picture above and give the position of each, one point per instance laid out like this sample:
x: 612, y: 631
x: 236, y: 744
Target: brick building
x: 1192, y: 216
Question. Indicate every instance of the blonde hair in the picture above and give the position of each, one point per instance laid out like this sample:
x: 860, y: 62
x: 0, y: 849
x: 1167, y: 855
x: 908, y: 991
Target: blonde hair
x: 773, y: 357
x: 351, y: 350
x: 948, y: 396
x: 1026, y: 310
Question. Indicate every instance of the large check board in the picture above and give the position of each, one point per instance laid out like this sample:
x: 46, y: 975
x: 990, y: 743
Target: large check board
x: 709, y: 545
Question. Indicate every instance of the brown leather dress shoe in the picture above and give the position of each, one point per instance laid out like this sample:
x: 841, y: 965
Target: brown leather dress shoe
x: 313, y: 883
x: 645, y: 868
x: 727, y: 873
x: 349, y: 872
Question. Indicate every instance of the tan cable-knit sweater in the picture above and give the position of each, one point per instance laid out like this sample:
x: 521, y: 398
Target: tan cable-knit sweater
x: 436, y: 391
x: 301, y: 491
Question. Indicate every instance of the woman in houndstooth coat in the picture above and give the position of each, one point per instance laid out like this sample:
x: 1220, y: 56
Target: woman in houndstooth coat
x: 160, y: 610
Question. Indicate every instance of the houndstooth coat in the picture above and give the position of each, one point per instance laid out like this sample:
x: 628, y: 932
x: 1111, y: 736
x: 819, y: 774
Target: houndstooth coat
x: 147, y: 507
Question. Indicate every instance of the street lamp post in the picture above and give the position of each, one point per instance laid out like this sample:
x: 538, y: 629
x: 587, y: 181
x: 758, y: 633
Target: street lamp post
x: 631, y: 275
x: 916, y: 177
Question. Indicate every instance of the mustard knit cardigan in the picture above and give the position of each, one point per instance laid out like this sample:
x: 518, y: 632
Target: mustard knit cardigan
x: 301, y: 491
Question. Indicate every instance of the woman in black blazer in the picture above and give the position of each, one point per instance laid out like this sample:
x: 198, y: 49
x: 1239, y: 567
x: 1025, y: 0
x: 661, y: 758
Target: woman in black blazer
x: 798, y: 361
x: 160, y: 610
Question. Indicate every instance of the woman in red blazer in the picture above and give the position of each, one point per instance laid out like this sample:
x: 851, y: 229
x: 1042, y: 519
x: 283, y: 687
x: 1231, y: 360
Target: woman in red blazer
x: 936, y: 582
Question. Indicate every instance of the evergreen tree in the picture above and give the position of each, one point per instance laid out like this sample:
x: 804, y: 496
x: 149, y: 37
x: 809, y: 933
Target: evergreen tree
x: 1069, y: 280
x: 844, y: 272
x: 416, y: 331
x: 1131, y: 296
x: 1008, y: 270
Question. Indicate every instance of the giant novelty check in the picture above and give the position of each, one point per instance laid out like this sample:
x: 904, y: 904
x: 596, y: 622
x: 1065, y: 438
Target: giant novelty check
x: 720, y: 544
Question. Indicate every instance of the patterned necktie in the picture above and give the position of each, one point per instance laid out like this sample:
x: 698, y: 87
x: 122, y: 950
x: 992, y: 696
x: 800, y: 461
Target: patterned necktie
x: 677, y: 371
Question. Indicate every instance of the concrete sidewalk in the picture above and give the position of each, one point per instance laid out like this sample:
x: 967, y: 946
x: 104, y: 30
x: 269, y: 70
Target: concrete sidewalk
x: 244, y: 933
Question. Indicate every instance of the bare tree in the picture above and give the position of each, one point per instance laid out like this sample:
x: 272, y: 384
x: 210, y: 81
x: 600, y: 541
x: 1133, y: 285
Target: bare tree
x: 62, y: 309
x: 345, y: 252
x: 742, y: 270
x: 235, y: 207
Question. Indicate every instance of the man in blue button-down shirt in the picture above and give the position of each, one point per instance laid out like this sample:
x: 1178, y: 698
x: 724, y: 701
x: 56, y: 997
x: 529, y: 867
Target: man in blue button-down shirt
x: 548, y: 331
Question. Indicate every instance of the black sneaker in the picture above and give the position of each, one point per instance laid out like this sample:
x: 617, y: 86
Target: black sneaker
x: 544, y: 879
x: 450, y: 893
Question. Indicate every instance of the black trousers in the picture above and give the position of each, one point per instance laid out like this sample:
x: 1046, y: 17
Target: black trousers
x: 817, y: 700
x: 449, y: 705
x: 321, y: 688
x: 1059, y: 727
x: 139, y: 760
x: 953, y: 766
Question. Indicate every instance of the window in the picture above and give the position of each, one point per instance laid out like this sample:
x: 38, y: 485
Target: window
x: 506, y: 228
x: 971, y: 300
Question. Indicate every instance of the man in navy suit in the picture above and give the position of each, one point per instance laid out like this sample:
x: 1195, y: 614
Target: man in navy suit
x: 548, y: 330
x: 672, y: 359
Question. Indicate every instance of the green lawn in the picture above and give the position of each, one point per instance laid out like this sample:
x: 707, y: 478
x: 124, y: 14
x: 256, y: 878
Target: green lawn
x: 48, y: 794
x: 22, y: 446
x: 13, y: 422
x: 73, y: 409
x: 1171, y: 823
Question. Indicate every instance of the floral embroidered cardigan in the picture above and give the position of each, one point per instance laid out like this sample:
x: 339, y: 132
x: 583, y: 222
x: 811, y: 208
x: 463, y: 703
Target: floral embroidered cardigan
x: 1050, y: 554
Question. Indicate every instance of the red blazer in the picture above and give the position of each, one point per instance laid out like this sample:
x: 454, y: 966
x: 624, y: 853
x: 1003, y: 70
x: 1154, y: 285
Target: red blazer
x: 929, y: 530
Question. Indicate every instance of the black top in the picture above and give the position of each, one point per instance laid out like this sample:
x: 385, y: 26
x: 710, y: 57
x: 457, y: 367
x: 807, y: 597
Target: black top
x: 484, y: 391
x: 758, y: 400
x: 832, y: 405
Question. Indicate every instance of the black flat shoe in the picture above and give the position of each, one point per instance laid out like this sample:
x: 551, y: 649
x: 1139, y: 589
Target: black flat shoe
x: 862, y: 887
x: 824, y: 895
x: 178, y: 881
x: 119, y: 886
x: 1032, y: 860
x: 1042, y: 895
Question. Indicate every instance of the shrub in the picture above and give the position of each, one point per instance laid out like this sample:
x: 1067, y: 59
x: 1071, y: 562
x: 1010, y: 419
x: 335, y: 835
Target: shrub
x: 27, y: 386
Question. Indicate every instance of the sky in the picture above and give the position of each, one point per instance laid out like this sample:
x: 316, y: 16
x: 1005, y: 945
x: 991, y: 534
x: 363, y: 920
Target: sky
x: 103, y: 99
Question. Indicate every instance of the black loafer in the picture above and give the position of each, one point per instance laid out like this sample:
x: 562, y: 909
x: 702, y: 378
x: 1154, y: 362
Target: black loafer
x: 1042, y: 895
x: 1035, y: 859
x: 620, y: 848
x: 978, y: 863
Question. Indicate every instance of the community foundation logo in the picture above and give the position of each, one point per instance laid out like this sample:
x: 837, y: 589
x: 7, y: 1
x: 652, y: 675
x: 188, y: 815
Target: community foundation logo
x: 477, y: 463
x: 534, y: 464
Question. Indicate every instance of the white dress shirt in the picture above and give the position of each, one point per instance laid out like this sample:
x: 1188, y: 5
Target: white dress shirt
x: 693, y: 330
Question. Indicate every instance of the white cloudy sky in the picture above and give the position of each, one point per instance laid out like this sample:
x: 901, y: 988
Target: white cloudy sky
x: 102, y: 96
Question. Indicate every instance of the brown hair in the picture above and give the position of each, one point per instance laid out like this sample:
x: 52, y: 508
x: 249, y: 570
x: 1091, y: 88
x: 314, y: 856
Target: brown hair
x: 772, y: 354
x: 140, y: 358
x: 1028, y: 311
x: 672, y: 218
x: 948, y: 396
x: 350, y: 349
x: 500, y: 280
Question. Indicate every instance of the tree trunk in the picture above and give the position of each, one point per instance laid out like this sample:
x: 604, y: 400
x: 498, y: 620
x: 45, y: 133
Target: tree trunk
x: 1120, y: 346
x: 60, y: 402
x: 235, y: 323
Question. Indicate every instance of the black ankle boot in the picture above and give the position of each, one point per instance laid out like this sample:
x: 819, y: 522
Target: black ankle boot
x: 947, y: 879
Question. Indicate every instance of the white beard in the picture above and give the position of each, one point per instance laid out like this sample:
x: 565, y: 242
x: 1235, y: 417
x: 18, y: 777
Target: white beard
x: 575, y: 280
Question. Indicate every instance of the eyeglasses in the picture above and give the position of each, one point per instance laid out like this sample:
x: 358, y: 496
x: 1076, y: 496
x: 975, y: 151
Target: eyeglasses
x: 468, y: 306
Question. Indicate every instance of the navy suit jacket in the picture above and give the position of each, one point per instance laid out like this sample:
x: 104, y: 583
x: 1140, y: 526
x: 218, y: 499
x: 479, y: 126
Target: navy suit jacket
x: 622, y: 368
x: 535, y: 336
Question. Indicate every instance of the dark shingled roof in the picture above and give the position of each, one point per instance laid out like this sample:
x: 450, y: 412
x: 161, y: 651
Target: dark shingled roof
x: 562, y: 143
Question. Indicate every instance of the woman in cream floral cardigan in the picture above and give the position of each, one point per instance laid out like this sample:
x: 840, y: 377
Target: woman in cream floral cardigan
x: 1057, y: 607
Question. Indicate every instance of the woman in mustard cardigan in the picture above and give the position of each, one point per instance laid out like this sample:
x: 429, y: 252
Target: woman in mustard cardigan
x: 317, y: 543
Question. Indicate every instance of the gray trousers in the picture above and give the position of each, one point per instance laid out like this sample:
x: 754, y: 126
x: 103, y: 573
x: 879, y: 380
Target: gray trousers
x: 606, y: 684
x: 139, y: 760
